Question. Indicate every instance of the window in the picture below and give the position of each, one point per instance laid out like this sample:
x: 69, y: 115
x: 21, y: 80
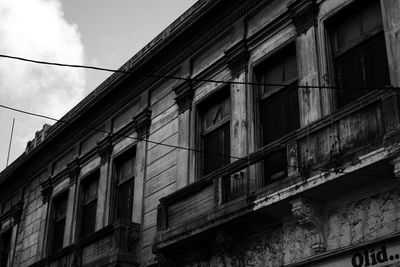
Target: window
x: 215, y: 132
x: 279, y: 105
x: 59, y: 215
x: 89, y: 205
x: 125, y: 167
x: 5, y: 247
x: 359, y: 52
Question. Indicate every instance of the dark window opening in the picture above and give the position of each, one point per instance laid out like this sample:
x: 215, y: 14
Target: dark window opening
x: 215, y: 134
x: 89, y: 206
x: 359, y: 52
x: 279, y: 106
x: 5, y: 247
x: 125, y: 185
x: 59, y: 218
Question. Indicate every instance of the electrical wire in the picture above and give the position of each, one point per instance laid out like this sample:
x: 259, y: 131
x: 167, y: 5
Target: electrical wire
x: 111, y: 133
x: 336, y: 171
x: 177, y: 78
x: 193, y: 79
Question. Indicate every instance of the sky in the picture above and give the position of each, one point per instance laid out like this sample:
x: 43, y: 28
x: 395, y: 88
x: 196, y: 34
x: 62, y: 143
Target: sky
x: 100, y: 33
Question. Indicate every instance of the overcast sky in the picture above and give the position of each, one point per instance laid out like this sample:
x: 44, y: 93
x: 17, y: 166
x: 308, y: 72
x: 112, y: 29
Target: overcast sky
x: 102, y: 33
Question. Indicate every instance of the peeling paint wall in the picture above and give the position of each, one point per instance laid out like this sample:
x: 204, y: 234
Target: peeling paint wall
x: 347, y: 223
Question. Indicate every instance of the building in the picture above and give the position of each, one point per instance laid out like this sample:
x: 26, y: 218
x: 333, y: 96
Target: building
x: 278, y: 146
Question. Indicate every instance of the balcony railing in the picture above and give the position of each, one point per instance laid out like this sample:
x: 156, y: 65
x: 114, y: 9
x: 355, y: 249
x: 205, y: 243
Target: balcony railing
x: 226, y: 193
x: 115, y: 243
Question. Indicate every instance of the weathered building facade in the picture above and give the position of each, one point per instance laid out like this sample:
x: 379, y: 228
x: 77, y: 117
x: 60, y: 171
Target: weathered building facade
x: 248, y: 133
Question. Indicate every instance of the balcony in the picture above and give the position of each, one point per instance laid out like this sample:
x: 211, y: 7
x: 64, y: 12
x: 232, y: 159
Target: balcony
x: 318, y: 161
x: 115, y: 243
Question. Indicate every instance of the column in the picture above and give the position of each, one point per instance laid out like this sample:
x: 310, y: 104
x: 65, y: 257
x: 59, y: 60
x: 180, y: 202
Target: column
x: 238, y: 58
x: 46, y: 191
x: 142, y: 126
x: 72, y: 204
x: 184, y: 96
x: 104, y: 187
x: 303, y: 13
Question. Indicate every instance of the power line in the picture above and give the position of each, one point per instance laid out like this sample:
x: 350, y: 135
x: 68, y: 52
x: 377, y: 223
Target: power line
x: 111, y: 133
x: 193, y: 79
x: 186, y: 148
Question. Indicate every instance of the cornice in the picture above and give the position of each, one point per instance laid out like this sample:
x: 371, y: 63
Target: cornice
x: 182, y: 26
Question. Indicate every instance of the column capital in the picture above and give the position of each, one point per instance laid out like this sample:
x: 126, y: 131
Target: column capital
x: 184, y: 95
x: 74, y: 169
x: 303, y: 14
x: 238, y: 57
x: 16, y: 211
x: 47, y: 190
x: 142, y: 123
x: 105, y: 149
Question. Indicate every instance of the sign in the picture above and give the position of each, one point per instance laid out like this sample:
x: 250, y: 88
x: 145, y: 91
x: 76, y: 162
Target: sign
x: 373, y: 256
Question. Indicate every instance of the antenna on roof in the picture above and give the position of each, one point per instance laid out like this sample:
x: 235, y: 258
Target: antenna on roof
x: 9, y: 146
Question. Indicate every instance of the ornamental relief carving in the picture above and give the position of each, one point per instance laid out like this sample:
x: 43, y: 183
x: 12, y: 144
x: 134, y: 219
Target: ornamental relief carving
x: 351, y: 222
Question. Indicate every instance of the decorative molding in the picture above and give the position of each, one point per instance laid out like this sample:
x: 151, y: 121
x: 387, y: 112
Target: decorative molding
x: 184, y: 95
x: 396, y: 167
x: 105, y: 149
x: 303, y: 14
x: 16, y: 212
x: 142, y: 123
x: 47, y: 190
x: 309, y: 216
x: 238, y: 57
x: 74, y: 169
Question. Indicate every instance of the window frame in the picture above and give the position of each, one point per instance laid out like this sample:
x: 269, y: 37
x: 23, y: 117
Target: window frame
x: 260, y: 96
x: 123, y: 155
x: 224, y: 91
x: 92, y: 176
x: 8, y: 232
x: 64, y: 194
x: 372, y: 36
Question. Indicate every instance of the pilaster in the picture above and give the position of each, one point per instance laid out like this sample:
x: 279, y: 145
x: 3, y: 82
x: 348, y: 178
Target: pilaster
x: 238, y: 58
x: 184, y: 97
x: 303, y: 15
x: 104, y: 190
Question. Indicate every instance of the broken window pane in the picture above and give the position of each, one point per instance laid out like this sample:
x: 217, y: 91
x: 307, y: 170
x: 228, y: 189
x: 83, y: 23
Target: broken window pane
x: 216, y: 132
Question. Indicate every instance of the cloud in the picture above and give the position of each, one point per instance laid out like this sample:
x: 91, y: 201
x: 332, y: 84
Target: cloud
x: 37, y: 29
